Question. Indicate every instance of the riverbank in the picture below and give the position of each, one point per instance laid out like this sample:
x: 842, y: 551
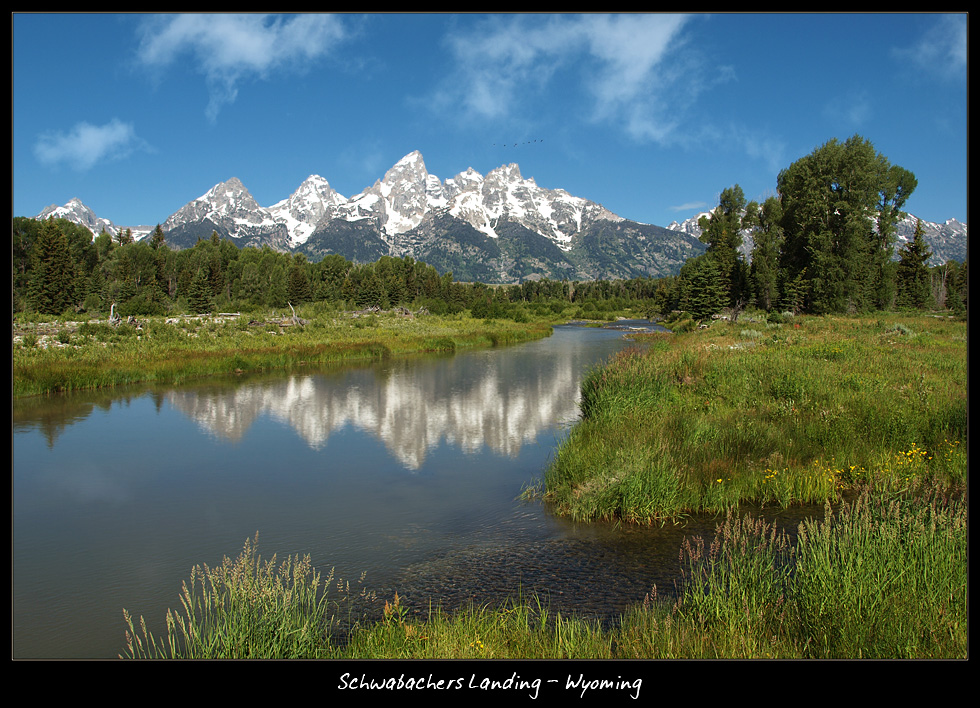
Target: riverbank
x: 70, y: 356
x: 869, y: 412
x: 882, y: 577
x: 775, y: 413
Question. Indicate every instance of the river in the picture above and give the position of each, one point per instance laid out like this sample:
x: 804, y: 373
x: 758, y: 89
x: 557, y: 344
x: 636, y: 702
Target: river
x: 400, y: 476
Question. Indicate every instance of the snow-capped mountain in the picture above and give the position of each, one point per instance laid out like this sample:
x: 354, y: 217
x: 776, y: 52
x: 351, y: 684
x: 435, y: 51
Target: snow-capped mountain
x: 76, y: 212
x: 501, y: 227
x: 230, y: 210
x: 498, y: 227
x: 304, y: 208
x: 947, y: 241
x: 407, y: 193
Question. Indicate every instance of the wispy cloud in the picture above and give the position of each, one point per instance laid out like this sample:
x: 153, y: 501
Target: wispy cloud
x: 941, y: 50
x: 630, y: 67
x: 229, y: 49
x: 690, y: 206
x: 86, y: 145
x: 852, y: 110
x: 760, y: 145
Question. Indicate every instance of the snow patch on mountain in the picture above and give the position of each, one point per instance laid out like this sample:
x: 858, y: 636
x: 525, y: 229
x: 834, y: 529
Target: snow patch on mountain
x: 408, y: 195
x: 304, y: 208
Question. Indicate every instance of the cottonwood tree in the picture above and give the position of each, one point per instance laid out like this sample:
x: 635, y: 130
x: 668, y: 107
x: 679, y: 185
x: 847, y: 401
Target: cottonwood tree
x: 840, y: 205
x: 767, y: 243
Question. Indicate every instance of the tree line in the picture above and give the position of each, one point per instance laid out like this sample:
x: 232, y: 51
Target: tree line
x: 824, y: 243
x: 58, y: 268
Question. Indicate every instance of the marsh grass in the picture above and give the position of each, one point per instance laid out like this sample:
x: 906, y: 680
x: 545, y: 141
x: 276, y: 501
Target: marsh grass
x: 243, y: 608
x: 250, y: 608
x: 896, y: 569
x: 810, y: 410
x: 882, y: 575
x: 100, y: 355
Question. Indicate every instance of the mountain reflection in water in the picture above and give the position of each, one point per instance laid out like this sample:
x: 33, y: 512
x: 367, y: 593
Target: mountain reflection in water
x: 482, y: 399
x: 407, y: 470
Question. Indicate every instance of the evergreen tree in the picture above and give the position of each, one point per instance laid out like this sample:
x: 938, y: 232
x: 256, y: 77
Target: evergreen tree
x: 895, y: 185
x: 216, y: 273
x: 795, y: 293
x: 103, y: 245
x: 298, y: 289
x: 722, y: 231
x: 276, y: 294
x: 913, y: 273
x: 23, y: 238
x: 157, y: 238
x: 52, y: 282
x: 96, y: 290
x: 199, y: 293
x: 959, y: 295
x: 251, y: 283
x: 371, y: 292
x: 703, y: 295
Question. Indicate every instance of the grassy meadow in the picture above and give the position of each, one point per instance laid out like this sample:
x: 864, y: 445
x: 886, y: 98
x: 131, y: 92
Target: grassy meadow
x: 774, y: 413
x: 867, y: 414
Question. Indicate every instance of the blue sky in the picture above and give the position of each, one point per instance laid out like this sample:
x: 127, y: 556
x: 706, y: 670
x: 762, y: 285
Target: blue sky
x: 651, y: 115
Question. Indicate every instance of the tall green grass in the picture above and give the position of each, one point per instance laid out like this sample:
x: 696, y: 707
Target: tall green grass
x: 878, y: 578
x: 703, y: 420
x: 883, y: 575
x: 243, y: 609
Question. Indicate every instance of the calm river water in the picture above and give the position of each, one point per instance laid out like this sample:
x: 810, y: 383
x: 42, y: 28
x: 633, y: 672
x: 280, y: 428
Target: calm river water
x: 405, y: 472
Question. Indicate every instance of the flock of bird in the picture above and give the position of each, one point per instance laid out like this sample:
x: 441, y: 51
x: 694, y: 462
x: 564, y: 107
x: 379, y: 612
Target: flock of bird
x: 526, y: 142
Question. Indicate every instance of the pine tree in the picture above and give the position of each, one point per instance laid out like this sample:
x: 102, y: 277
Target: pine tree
x: 768, y: 239
x: 703, y: 294
x: 722, y: 231
x: 199, y: 293
x: 276, y: 295
x: 298, y: 289
x: 157, y: 239
x: 913, y: 273
x: 53, y: 280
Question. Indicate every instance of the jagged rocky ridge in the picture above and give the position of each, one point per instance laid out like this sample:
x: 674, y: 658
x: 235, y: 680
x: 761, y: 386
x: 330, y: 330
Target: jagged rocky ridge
x: 495, y: 228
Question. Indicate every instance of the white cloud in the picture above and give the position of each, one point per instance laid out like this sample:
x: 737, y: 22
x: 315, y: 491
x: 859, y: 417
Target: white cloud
x: 941, y: 51
x: 690, y: 206
x: 86, y: 145
x: 228, y: 49
x: 853, y: 109
x: 631, y: 70
x: 761, y: 146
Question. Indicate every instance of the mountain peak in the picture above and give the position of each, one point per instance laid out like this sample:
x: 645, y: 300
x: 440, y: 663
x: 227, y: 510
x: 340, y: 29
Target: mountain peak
x: 413, y: 156
x: 411, y: 212
x: 76, y: 211
x: 412, y: 164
